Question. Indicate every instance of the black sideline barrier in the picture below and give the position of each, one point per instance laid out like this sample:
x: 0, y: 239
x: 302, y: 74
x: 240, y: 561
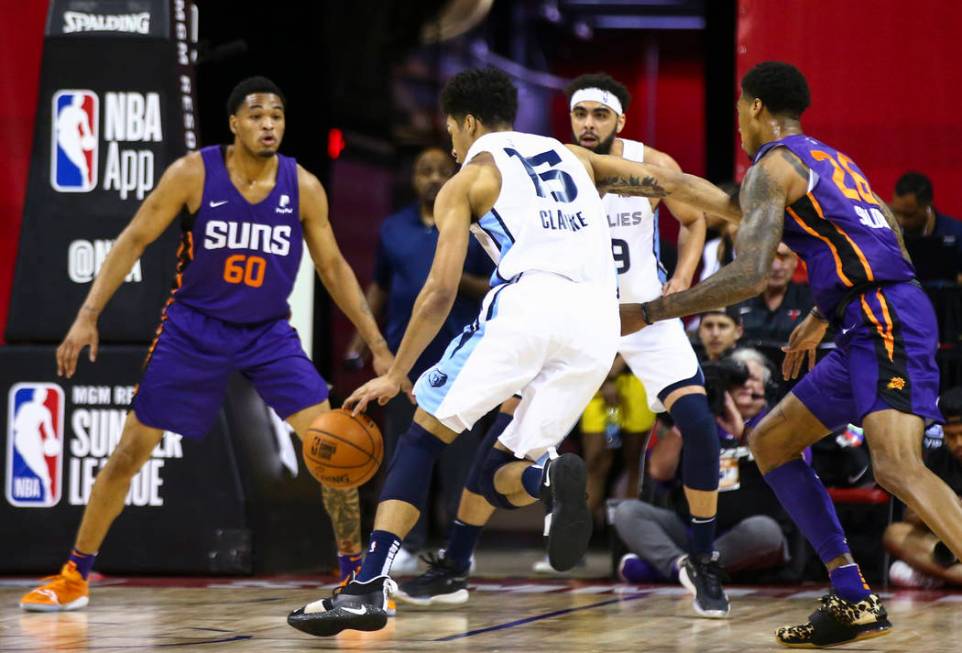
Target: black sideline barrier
x: 116, y: 106
x: 224, y: 504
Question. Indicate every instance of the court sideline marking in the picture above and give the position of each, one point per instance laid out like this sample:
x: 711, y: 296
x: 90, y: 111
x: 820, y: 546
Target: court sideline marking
x: 540, y: 617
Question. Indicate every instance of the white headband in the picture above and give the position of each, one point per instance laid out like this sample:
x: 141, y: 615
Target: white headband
x: 610, y: 100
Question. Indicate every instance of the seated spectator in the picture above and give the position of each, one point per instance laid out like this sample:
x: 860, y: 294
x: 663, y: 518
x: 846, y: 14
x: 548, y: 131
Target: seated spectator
x: 923, y: 560
x: 718, y: 331
x: 754, y: 530
x: 915, y: 212
x: 771, y: 316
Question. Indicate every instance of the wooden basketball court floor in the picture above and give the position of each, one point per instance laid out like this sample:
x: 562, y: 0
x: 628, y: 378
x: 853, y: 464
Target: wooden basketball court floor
x: 241, y: 615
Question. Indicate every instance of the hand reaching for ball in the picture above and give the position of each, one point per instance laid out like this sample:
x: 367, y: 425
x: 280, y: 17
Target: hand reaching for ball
x: 382, y: 390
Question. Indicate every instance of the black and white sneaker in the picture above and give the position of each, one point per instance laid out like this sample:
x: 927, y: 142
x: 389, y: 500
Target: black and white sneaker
x: 837, y: 621
x: 702, y: 576
x: 443, y: 584
x: 356, y: 606
x: 567, y: 521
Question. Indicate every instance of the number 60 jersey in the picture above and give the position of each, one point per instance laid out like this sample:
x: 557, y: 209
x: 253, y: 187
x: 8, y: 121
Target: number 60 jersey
x: 237, y: 260
x: 548, y: 217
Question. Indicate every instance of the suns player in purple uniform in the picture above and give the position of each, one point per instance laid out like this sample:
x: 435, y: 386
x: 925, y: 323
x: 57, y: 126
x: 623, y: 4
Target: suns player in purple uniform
x: 883, y: 373
x: 250, y: 209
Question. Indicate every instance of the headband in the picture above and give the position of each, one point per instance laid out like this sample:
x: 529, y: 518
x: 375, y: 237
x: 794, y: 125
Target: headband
x: 610, y: 100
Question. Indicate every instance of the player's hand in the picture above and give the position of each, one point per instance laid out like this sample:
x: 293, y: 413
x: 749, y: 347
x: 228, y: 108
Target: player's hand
x: 675, y: 285
x: 801, y: 345
x: 83, y: 333
x: 730, y: 419
x: 382, y: 390
x: 631, y: 318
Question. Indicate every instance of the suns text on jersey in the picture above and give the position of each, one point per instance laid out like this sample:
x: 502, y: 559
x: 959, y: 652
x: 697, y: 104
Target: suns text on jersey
x: 269, y: 239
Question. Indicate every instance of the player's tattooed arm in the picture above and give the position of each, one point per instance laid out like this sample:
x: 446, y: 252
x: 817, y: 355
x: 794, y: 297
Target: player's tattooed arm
x: 344, y: 509
x: 613, y: 174
x: 894, y: 226
x: 763, y: 200
x: 632, y: 186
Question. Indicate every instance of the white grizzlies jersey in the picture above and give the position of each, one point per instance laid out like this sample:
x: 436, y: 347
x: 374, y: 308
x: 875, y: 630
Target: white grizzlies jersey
x: 634, y: 239
x: 548, y: 217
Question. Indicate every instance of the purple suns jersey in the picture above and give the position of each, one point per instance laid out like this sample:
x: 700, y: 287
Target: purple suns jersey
x: 838, y: 227
x: 237, y: 260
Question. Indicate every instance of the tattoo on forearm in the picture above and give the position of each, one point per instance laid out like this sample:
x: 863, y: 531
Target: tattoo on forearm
x: 763, y: 203
x: 632, y: 186
x: 344, y: 509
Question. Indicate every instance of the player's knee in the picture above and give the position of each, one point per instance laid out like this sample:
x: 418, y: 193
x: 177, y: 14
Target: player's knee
x: 124, y: 463
x: 493, y: 461
x: 694, y: 419
x: 895, y: 473
x: 413, y: 459
x: 758, y: 443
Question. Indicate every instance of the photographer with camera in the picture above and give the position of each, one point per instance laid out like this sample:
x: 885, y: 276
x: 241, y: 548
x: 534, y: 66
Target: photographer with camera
x: 924, y: 561
x: 754, y: 529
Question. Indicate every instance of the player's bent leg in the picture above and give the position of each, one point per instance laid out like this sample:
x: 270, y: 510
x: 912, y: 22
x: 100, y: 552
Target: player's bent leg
x: 895, y: 441
x: 69, y: 589
x: 850, y: 611
x: 363, y: 603
x: 700, y: 572
x: 342, y: 506
x: 445, y: 583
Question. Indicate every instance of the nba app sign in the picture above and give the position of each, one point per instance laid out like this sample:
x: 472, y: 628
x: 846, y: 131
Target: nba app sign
x: 35, y: 445
x: 130, y: 118
x: 75, y: 122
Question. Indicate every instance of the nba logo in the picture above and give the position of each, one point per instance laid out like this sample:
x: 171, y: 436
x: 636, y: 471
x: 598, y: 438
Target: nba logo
x: 73, y: 141
x: 35, y: 445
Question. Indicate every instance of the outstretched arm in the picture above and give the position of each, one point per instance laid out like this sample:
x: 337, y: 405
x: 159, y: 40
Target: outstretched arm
x: 336, y: 275
x: 181, y: 185
x: 622, y: 177
x: 452, y: 215
x: 764, y: 196
x: 691, y: 236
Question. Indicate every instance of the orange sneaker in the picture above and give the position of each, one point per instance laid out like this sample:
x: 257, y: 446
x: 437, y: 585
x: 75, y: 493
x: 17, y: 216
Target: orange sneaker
x: 66, y: 591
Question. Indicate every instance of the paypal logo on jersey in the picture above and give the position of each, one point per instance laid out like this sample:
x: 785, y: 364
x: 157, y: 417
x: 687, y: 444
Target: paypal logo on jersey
x: 35, y: 445
x: 75, y: 121
x: 283, y: 206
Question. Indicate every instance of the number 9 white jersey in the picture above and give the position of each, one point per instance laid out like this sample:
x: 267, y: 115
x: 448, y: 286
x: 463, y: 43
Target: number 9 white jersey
x: 548, y: 217
x: 634, y: 239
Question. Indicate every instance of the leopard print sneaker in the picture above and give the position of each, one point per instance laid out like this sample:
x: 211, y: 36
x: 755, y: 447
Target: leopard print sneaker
x: 838, y: 621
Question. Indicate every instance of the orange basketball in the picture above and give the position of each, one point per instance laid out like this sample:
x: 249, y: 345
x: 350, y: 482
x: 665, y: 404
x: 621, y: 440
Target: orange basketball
x: 341, y: 450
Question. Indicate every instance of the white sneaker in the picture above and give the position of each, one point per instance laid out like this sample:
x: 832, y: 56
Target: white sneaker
x: 405, y: 563
x: 544, y: 567
x: 904, y: 575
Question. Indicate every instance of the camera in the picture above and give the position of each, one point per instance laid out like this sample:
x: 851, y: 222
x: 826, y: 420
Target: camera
x: 721, y: 376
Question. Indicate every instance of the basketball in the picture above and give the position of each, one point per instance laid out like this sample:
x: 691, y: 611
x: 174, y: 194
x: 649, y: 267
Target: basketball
x: 342, y: 450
